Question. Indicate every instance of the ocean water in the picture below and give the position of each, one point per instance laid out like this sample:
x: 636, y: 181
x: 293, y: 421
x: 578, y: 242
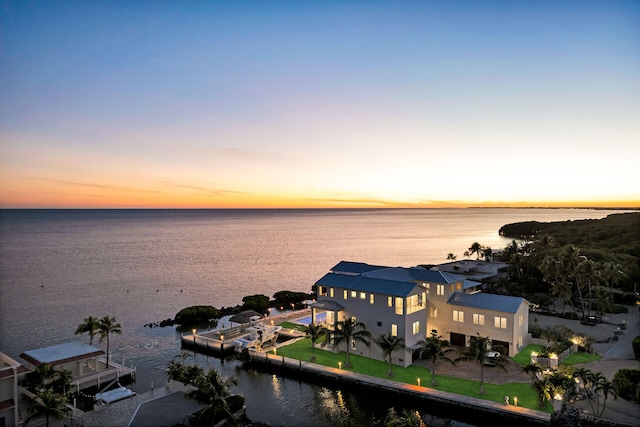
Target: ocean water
x: 141, y: 266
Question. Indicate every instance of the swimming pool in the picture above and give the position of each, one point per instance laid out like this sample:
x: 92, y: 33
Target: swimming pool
x: 320, y: 317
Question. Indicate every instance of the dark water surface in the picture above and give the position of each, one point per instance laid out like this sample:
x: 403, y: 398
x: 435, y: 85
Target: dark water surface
x: 140, y: 266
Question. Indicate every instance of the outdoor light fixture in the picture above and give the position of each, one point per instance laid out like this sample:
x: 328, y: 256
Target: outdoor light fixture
x: 418, y: 382
x: 515, y: 400
x: 339, y: 365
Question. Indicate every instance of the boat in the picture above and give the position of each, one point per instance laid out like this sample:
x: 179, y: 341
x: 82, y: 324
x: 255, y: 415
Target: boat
x: 258, y: 336
x: 114, y: 395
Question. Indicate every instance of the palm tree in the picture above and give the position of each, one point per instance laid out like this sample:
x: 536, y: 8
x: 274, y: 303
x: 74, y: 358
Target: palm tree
x: 435, y: 348
x: 388, y: 344
x: 108, y: 326
x: 315, y: 332
x: 476, y: 248
x: 49, y: 404
x: 349, y: 331
x: 477, y: 352
x: 533, y: 370
x: 90, y: 326
x: 214, y: 392
x: 451, y: 256
x: 606, y: 388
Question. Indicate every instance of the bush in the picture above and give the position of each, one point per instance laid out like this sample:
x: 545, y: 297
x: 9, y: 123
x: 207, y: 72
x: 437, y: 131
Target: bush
x: 196, y: 314
x: 618, y: 309
x: 627, y: 381
x: 636, y: 347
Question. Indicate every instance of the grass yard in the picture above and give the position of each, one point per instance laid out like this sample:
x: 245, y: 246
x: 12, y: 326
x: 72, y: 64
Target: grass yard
x: 577, y: 358
x: 290, y: 325
x: 301, y: 350
x: 524, y: 357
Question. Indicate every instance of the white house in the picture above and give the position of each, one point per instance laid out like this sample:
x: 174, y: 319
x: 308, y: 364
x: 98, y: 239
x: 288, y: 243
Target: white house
x: 411, y: 302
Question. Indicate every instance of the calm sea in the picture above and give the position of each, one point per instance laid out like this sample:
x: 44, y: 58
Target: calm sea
x: 140, y: 266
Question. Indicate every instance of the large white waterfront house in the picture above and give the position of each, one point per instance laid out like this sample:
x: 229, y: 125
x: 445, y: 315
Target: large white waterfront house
x: 411, y: 302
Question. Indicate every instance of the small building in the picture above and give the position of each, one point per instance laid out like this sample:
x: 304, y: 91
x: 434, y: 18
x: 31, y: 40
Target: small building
x: 86, y: 363
x: 411, y: 302
x: 10, y: 370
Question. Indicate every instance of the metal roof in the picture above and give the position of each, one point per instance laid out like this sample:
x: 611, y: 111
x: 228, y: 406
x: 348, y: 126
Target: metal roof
x: 327, y: 305
x: 354, y: 267
x: 61, y: 353
x: 503, y: 303
x: 367, y: 284
x: 402, y: 274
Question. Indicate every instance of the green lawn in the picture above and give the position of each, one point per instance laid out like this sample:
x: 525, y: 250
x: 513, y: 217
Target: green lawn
x: 577, y: 358
x: 301, y: 350
x: 524, y: 357
x: 290, y: 325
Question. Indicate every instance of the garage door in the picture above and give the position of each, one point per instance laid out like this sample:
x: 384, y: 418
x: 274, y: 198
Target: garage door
x: 457, y: 339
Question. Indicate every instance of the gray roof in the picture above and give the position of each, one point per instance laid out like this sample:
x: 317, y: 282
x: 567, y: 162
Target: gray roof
x: 503, y: 303
x: 327, y: 305
x: 396, y: 281
x: 61, y: 353
x: 367, y: 284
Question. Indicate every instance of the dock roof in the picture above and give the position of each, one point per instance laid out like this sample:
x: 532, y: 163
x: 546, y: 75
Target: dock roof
x: 61, y: 353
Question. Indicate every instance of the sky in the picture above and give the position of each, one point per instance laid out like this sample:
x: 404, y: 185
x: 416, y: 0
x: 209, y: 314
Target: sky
x: 350, y: 104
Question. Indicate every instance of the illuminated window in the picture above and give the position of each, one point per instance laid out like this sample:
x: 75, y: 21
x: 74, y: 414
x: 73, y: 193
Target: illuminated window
x: 331, y: 292
x: 399, y: 305
x: 344, y: 294
x: 371, y: 299
x: 500, y: 322
x: 363, y: 295
x: 416, y: 327
x: 394, y: 329
x: 440, y: 289
x: 434, y: 312
x: 458, y: 316
x: 353, y: 294
x: 414, y: 303
x: 520, y: 320
x: 458, y: 286
x: 478, y: 319
x: 353, y: 344
x: 389, y: 301
x: 427, y: 287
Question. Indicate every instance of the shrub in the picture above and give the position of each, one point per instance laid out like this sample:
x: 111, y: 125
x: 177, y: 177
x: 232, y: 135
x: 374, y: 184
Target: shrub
x: 636, y: 347
x: 196, y: 314
x: 628, y: 383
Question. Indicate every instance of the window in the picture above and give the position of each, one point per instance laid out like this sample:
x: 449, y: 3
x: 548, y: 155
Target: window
x: 371, y: 299
x: 458, y: 316
x: 322, y: 290
x: 478, y: 319
x: 394, y: 329
x: 427, y: 286
x: 434, y: 312
x: 399, y: 305
x: 344, y: 294
x: 414, y: 303
x: 520, y: 341
x: 353, y: 294
x: 458, y: 286
x: 416, y: 327
x: 440, y: 289
x: 363, y: 295
x: 501, y: 322
x: 520, y: 320
x: 389, y: 302
x: 331, y: 292
x: 379, y: 324
x: 353, y: 344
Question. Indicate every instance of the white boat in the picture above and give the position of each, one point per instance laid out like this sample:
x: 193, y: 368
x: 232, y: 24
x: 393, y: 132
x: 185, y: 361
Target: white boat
x: 115, y: 395
x: 259, y: 335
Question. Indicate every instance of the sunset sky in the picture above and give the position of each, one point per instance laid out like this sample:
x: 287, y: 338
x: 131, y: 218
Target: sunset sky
x: 319, y: 103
